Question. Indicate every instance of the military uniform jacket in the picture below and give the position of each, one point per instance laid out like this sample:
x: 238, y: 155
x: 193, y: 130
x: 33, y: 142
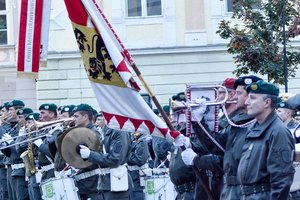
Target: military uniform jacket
x: 89, y: 185
x: 117, y: 145
x: 267, y: 159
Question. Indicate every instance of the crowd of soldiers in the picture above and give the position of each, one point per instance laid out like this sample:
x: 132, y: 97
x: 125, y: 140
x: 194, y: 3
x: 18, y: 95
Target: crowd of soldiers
x: 249, y: 157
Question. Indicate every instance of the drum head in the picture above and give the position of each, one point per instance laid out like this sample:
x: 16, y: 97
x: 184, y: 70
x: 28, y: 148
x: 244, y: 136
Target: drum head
x: 69, y: 142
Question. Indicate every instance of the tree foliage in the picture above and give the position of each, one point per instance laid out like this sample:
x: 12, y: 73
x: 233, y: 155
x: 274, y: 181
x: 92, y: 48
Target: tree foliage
x: 257, y: 41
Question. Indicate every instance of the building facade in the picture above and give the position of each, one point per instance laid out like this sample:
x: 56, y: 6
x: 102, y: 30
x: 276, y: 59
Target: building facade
x: 173, y: 42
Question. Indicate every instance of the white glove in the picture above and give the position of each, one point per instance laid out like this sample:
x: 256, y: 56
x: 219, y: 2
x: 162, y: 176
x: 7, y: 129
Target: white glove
x: 182, y: 140
x: 50, y: 138
x: 84, y: 152
x: 169, y: 156
x: 198, y: 112
x: 38, y: 142
x: 7, y: 138
x: 22, y: 131
x: 58, y: 127
x: 188, y: 156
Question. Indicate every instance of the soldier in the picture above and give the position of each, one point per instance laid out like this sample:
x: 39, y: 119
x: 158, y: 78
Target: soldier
x: 115, y: 182
x: 48, y: 112
x: 137, y: 161
x: 4, y: 127
x: 87, y: 178
x: 266, y: 167
x: 231, y: 138
x: 16, y: 172
x: 286, y: 113
x: 297, y: 116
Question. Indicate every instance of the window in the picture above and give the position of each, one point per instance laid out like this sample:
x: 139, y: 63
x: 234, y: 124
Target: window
x: 229, y: 5
x: 143, y: 8
x: 3, y: 23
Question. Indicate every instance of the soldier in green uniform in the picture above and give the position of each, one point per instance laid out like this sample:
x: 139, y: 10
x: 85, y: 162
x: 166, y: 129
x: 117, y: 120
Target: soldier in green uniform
x: 266, y: 167
x: 111, y: 160
x: 87, y: 178
x: 286, y: 113
x: 4, y: 127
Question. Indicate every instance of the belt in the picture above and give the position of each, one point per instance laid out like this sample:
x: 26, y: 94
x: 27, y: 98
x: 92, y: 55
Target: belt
x: 135, y: 167
x: 186, y: 187
x: 104, y: 171
x: 231, y: 180
x: 253, y: 189
x: 17, y: 166
x: 47, y: 167
x: 87, y: 174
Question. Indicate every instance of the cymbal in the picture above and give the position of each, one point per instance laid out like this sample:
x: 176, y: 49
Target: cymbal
x: 69, y: 142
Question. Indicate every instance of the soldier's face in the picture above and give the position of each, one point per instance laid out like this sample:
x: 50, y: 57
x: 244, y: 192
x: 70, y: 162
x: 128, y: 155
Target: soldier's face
x: 80, y: 120
x: 4, y: 112
x: 21, y: 120
x: 284, y: 114
x: 256, y: 105
x: 100, y: 121
x: 240, y: 97
x: 12, y: 112
x: 46, y: 116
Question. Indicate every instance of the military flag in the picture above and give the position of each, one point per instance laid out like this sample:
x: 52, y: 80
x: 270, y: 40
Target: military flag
x: 34, y: 22
x: 109, y: 73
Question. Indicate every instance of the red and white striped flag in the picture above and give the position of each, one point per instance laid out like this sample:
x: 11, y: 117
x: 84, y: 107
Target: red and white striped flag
x: 108, y: 71
x: 30, y: 36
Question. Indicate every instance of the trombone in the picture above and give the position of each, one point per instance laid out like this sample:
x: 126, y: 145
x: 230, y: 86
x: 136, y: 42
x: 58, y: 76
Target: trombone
x: 176, y: 106
x: 39, y: 126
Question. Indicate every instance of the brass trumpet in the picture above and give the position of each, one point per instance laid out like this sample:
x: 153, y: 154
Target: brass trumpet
x: 39, y: 126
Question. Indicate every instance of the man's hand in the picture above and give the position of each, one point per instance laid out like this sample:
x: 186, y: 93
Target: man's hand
x: 199, y: 110
x: 84, y: 152
x: 182, y: 140
x: 7, y: 138
x: 188, y: 156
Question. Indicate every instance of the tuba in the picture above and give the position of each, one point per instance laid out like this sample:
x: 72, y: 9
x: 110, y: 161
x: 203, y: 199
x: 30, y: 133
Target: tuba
x: 28, y: 158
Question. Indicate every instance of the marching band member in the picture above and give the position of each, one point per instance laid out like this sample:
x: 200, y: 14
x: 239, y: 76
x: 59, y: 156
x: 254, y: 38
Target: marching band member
x: 137, y: 161
x: 33, y: 185
x: 87, y: 178
x: 181, y: 175
x: 231, y: 138
x: 115, y: 182
x: 48, y: 112
x: 12, y: 160
x: 4, y: 127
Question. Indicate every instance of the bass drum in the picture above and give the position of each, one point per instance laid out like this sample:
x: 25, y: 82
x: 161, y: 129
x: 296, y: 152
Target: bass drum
x: 59, y: 189
x: 159, y: 188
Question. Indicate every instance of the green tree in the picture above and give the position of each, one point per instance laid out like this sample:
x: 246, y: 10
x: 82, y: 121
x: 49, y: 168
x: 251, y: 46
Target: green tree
x: 256, y: 42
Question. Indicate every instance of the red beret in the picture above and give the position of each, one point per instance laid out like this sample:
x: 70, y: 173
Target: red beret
x: 229, y: 83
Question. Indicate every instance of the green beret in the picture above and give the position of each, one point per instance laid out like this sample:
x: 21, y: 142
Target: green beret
x: 48, y: 106
x: 4, y: 105
x: 16, y: 103
x: 68, y: 108
x: 284, y: 104
x: 33, y: 116
x: 95, y: 113
x: 24, y: 111
x: 246, y: 80
x: 83, y: 107
x: 166, y: 108
x: 262, y: 87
